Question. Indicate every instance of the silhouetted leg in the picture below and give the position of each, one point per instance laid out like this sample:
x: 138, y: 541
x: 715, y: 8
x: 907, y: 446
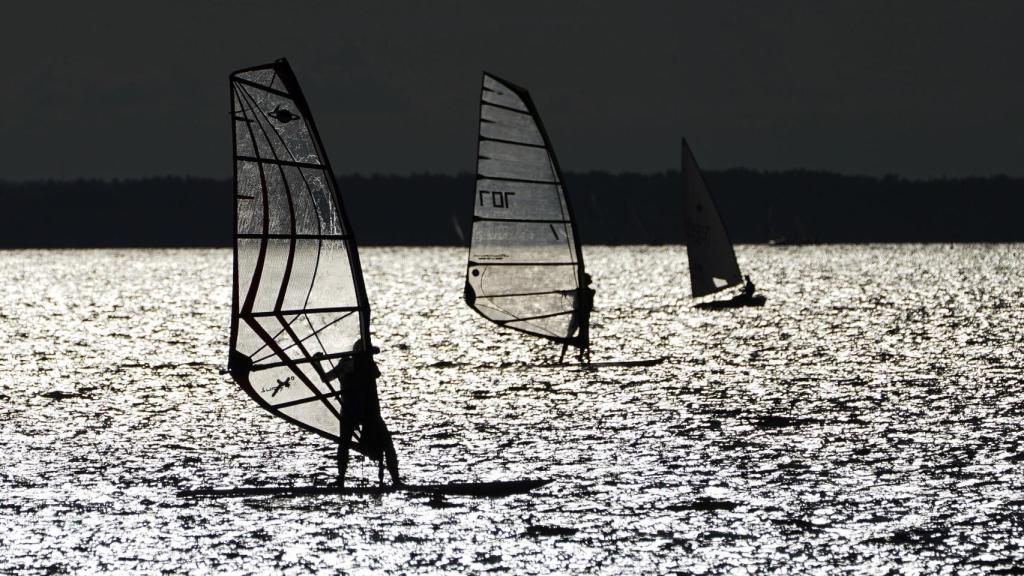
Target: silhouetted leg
x: 343, y: 446
x: 565, y: 346
x: 390, y: 456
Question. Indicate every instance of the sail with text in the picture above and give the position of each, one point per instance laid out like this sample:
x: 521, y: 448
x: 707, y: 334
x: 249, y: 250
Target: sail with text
x: 525, y: 261
x: 298, y: 288
x: 713, y: 264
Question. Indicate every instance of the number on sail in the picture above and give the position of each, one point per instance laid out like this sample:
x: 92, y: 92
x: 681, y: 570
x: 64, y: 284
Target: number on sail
x: 525, y: 262
x: 298, y: 289
x: 713, y: 264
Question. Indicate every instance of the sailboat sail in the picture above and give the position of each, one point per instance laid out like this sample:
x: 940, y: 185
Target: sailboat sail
x: 525, y: 262
x: 713, y: 264
x: 298, y: 288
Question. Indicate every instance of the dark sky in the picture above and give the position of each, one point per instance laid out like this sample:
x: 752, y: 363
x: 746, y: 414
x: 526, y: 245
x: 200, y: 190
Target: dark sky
x: 930, y: 88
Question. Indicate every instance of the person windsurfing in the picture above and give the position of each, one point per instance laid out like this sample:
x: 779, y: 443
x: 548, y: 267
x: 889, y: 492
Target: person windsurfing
x: 360, y: 411
x: 748, y: 288
x: 582, y: 304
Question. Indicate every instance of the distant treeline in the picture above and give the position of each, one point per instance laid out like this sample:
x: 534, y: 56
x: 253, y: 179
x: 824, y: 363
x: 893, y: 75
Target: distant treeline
x: 426, y: 209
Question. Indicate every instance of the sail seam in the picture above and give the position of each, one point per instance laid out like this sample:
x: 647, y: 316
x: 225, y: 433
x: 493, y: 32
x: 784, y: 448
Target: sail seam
x: 503, y: 141
x: 475, y: 263
x: 544, y: 293
x: 290, y: 236
x: 302, y: 311
x: 518, y: 220
x: 280, y: 162
x: 261, y: 87
x: 503, y: 107
x: 522, y: 180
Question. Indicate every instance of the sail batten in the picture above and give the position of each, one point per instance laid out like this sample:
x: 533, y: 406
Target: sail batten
x: 298, y: 296
x: 525, y: 264
x: 713, y: 265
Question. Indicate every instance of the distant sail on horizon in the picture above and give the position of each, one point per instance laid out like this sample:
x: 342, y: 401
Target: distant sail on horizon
x: 525, y: 260
x: 298, y: 285
x: 713, y: 265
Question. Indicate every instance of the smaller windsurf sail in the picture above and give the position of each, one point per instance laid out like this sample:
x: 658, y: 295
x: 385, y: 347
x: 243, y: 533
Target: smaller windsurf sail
x: 713, y: 265
x: 525, y: 262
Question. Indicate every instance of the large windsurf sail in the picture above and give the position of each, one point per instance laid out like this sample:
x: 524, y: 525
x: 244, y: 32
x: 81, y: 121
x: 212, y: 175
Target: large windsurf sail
x: 713, y: 264
x: 298, y: 288
x: 525, y: 262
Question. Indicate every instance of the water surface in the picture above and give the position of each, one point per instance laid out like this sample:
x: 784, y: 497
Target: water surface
x: 867, y: 419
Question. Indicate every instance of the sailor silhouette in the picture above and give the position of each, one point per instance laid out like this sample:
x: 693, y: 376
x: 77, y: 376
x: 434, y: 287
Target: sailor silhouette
x: 282, y: 115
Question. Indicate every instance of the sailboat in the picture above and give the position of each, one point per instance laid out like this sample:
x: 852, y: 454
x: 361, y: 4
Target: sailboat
x: 299, y: 305
x: 525, y: 269
x: 713, y: 265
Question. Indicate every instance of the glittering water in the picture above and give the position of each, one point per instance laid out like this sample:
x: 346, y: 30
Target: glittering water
x: 867, y: 419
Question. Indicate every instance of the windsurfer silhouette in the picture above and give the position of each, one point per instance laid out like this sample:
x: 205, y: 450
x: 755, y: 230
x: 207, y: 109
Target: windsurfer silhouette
x: 360, y: 410
x: 582, y: 303
x: 748, y: 288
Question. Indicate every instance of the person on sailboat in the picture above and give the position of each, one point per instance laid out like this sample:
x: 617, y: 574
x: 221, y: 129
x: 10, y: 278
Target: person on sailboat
x: 748, y: 287
x: 582, y: 304
x: 360, y: 409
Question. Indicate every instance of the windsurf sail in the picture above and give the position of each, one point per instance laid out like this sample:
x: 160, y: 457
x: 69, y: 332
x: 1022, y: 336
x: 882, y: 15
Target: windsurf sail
x: 525, y: 261
x: 713, y: 264
x: 298, y: 297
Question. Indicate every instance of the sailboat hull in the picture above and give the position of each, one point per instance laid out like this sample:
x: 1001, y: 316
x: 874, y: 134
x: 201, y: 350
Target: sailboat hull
x: 734, y: 302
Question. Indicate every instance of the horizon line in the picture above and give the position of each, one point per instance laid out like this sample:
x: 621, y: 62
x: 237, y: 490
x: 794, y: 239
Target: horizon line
x: 464, y: 174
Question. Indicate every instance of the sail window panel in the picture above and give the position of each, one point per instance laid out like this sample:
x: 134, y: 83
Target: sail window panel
x: 248, y: 342
x: 272, y: 275
x: 525, y: 164
x: 290, y: 350
x: 548, y: 287
x: 497, y: 93
x: 507, y: 125
x: 288, y: 131
x: 322, y: 194
x: 246, y: 254
x: 277, y: 328
x: 502, y: 160
x: 521, y: 242
x: 554, y: 327
x: 304, y: 274
x: 333, y: 285
x: 257, y: 136
x: 249, y: 198
x: 331, y: 333
x: 272, y: 145
x: 263, y: 76
x: 528, y: 305
x: 243, y: 139
x: 278, y: 201
x: 307, y: 221
x: 503, y: 199
x: 316, y: 415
